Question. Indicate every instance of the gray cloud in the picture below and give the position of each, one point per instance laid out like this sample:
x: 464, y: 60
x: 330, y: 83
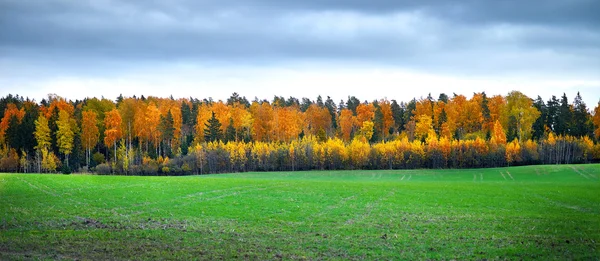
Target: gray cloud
x: 457, y: 36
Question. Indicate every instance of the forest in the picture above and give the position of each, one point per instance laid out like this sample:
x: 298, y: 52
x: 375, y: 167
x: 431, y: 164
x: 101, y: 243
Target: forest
x: 167, y: 136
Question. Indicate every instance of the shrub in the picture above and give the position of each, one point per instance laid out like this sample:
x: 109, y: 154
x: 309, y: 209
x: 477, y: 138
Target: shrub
x: 103, y: 169
x: 65, y: 169
x: 150, y: 168
x: 98, y: 158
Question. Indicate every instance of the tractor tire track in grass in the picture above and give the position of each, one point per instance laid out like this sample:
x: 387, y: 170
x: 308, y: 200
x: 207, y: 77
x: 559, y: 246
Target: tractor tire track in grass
x: 329, y: 209
x: 236, y: 193
x: 511, y: 177
x: 49, y: 192
x: 583, y: 173
x: 579, y: 172
x: 174, y: 199
x: 67, y: 197
x: 361, y: 217
x: 561, y: 204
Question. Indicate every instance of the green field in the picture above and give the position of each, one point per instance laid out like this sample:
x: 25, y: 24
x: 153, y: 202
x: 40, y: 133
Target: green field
x: 535, y: 212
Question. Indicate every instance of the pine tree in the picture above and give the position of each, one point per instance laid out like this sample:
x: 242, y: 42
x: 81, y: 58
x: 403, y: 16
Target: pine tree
x: 212, y: 130
x: 441, y: 120
x: 397, y: 114
x: 565, y: 117
x: 513, y: 132
x: 230, y: 132
x: 352, y: 103
x: 378, y: 121
x: 331, y: 107
x: 166, y: 128
x: 552, y: 113
x: 539, y: 124
x: 409, y: 111
x: 485, y: 111
x: 443, y: 98
x: 581, y: 125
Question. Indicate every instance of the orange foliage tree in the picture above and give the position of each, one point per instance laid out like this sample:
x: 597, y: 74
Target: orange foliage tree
x: 112, y: 121
x: 347, y: 122
x: 89, y: 133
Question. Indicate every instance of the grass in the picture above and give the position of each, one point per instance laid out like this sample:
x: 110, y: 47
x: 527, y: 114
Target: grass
x: 534, y: 212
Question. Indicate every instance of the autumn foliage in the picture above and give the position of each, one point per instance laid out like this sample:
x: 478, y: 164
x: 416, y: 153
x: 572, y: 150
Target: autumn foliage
x: 151, y: 135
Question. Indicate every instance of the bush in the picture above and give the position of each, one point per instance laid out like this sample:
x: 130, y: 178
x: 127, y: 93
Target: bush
x: 151, y: 168
x: 97, y: 159
x: 65, y: 169
x: 103, y: 169
x: 135, y: 170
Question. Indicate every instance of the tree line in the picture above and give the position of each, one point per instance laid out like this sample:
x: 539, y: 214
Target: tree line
x: 152, y: 135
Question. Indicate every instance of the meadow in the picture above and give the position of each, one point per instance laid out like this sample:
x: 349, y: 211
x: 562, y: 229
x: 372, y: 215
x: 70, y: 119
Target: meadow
x: 548, y: 212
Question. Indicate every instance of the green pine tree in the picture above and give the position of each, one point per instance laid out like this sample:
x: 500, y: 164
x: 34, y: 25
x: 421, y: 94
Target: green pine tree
x: 212, y: 130
x: 230, y: 132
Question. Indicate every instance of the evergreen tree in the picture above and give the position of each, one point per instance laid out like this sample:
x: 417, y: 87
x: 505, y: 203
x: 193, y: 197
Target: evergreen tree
x: 212, y: 130
x: 186, y: 114
x: 581, y: 125
x: 235, y: 97
x: 167, y: 129
x: 552, y: 113
x: 409, y: 110
x: 13, y: 137
x: 331, y: 107
x: 378, y: 121
x: 341, y: 106
x: 443, y: 98
x: 485, y: 110
x: 513, y: 128
x: 539, y: 125
x: 441, y: 120
x: 306, y: 102
x: 352, y: 103
x: 278, y: 101
x: 230, y: 132
x: 565, y: 117
x: 398, y: 115
x: 320, y: 101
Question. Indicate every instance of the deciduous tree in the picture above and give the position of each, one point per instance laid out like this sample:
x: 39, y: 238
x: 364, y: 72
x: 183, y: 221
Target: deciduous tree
x: 89, y: 133
x: 112, y: 121
x: 65, y: 134
x: 520, y: 107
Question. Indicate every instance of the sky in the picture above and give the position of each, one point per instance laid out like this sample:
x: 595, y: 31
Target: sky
x: 394, y: 49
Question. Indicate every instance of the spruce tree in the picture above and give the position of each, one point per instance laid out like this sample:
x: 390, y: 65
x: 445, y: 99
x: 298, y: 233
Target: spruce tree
x: 230, y: 132
x: 552, y: 113
x: 581, y: 125
x: 565, y: 117
x: 212, y: 130
x: 539, y: 125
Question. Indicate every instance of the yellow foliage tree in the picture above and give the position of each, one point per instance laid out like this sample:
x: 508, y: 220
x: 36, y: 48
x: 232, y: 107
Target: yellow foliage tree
x: 513, y: 152
x: 358, y: 153
x: 423, y: 127
x: 520, y: 107
x: 366, y: 131
x: 596, y: 121
x: 65, y: 134
x: 498, y: 135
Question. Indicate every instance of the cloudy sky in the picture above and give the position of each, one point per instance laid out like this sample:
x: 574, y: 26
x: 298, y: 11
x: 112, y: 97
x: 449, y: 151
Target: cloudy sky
x: 398, y: 49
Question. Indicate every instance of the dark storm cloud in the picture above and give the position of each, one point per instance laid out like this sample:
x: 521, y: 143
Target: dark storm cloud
x: 408, y: 33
